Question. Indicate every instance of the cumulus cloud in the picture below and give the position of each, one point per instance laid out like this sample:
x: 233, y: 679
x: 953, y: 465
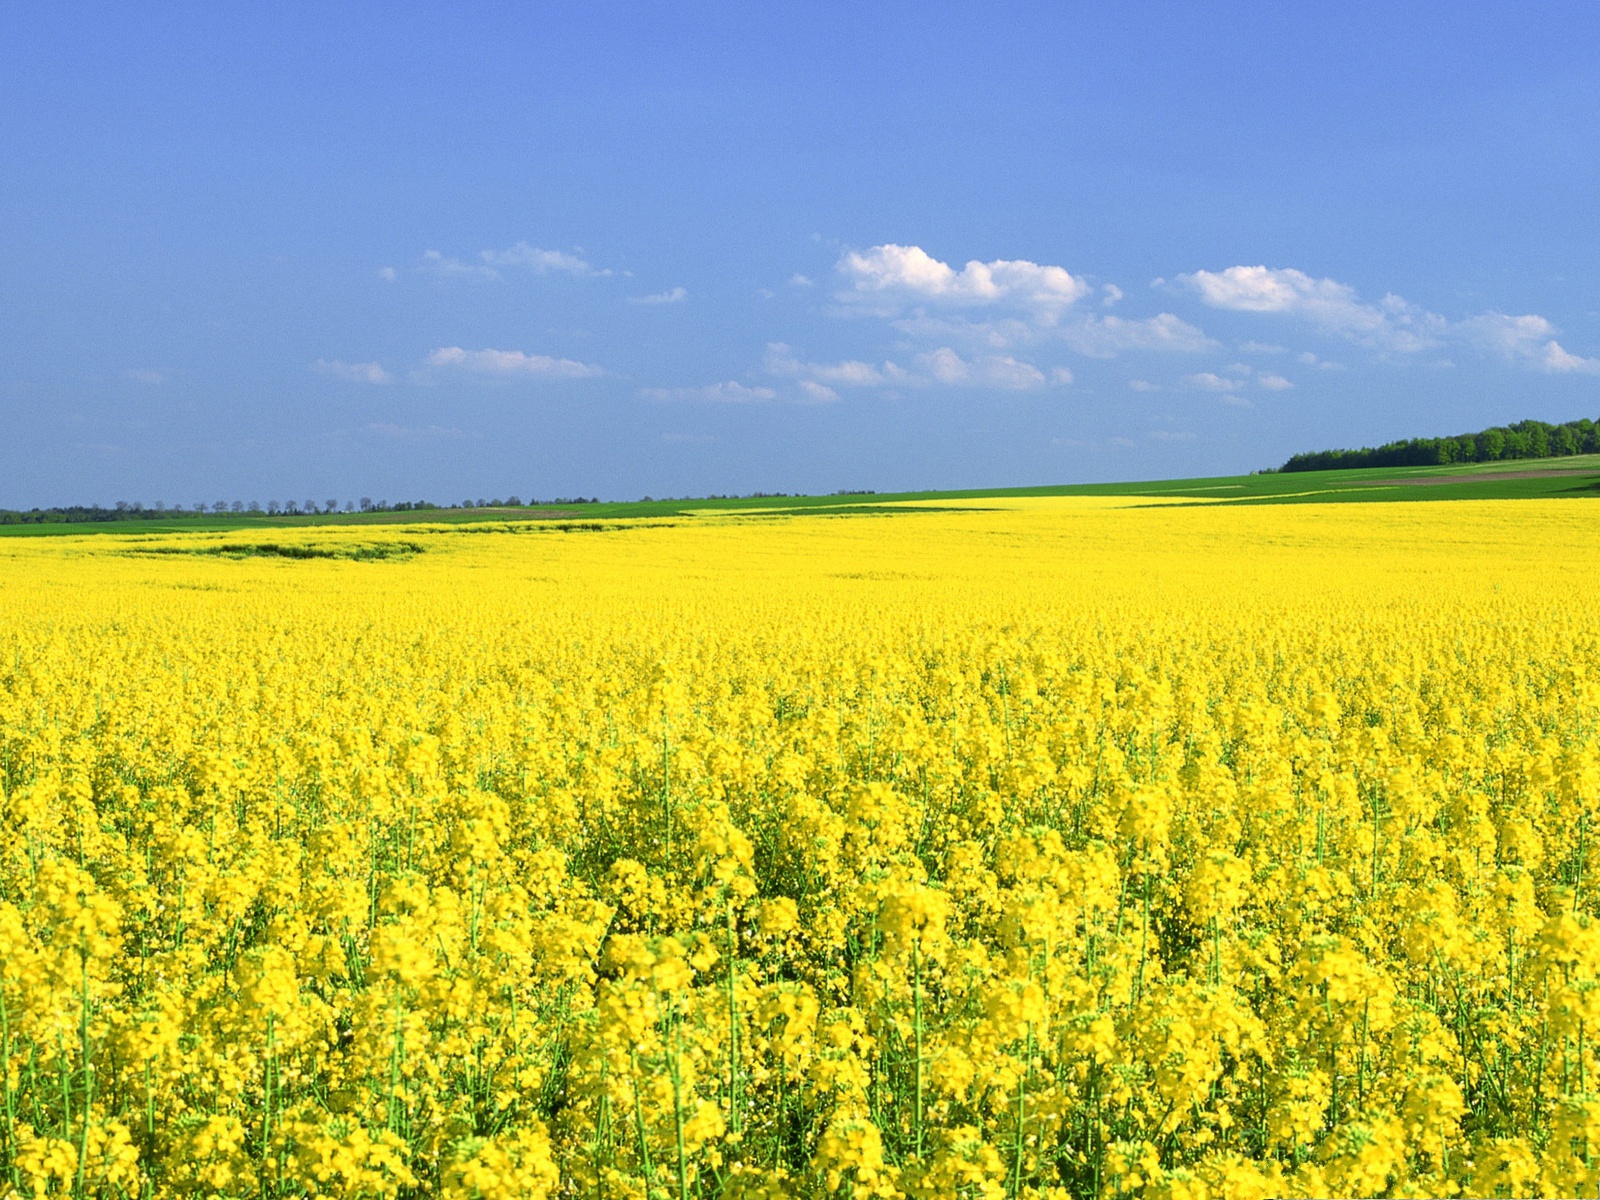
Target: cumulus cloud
x: 728, y: 392
x: 1273, y: 382
x: 388, y: 274
x: 1526, y: 340
x: 1392, y: 324
x: 359, y: 372
x: 889, y: 276
x: 511, y: 363
x: 673, y: 296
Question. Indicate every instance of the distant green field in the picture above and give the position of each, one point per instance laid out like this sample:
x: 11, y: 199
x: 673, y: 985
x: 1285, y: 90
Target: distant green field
x: 1573, y: 476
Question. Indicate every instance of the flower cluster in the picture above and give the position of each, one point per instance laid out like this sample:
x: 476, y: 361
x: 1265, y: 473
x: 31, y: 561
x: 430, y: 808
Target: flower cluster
x: 1052, y: 851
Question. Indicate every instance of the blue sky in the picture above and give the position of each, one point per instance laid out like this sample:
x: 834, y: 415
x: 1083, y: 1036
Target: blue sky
x: 403, y: 251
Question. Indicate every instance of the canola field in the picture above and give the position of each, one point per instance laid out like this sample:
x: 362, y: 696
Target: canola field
x: 1053, y: 850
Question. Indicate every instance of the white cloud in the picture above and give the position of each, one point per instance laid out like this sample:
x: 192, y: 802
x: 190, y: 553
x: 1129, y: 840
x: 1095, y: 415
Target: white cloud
x: 1142, y: 385
x: 145, y: 375
x: 894, y: 275
x: 1106, y: 337
x: 799, y: 280
x: 388, y: 274
x: 1004, y: 333
x: 1273, y: 382
x: 1111, y: 294
x: 1321, y: 364
x: 1206, y: 381
x: 361, y: 372
x: 488, y: 263
x: 1168, y: 435
x: 817, y: 393
x: 1527, y: 340
x: 511, y: 363
x: 715, y: 393
x: 942, y: 366
x: 782, y: 360
x: 994, y: 370
x: 1392, y: 324
x: 439, y: 264
x: 539, y: 261
x: 675, y: 296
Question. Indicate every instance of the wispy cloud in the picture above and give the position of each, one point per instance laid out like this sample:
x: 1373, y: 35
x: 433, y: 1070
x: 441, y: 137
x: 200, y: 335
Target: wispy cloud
x: 488, y: 264
x: 1090, y: 334
x: 439, y: 264
x: 782, y: 360
x: 1392, y: 325
x: 1527, y: 340
x: 945, y: 366
x: 675, y: 295
x: 540, y: 261
x: 816, y: 393
x: 1207, y: 381
x: 146, y: 375
x: 1332, y: 307
x: 942, y: 366
x: 417, y: 433
x: 1230, y: 385
x: 511, y: 364
x: 357, y: 372
x: 727, y: 392
x: 1107, y: 337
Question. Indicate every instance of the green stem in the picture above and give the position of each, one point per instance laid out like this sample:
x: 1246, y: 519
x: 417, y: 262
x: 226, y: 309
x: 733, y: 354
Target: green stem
x: 10, y: 1100
x: 733, y: 1026
x: 916, y: 1003
x: 677, y: 1106
x: 88, y: 1071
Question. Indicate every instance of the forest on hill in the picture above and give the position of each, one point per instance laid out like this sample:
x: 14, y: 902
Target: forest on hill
x: 1525, y: 439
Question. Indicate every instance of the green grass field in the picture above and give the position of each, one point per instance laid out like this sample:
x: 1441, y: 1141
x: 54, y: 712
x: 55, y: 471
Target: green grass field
x: 1574, y: 476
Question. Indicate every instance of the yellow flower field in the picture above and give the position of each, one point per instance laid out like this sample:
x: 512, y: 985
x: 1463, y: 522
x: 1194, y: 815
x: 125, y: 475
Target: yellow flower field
x: 1041, y: 850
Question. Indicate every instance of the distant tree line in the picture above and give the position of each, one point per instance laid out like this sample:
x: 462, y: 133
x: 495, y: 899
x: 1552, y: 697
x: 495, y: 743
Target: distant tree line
x: 132, y: 510
x: 1525, y: 439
